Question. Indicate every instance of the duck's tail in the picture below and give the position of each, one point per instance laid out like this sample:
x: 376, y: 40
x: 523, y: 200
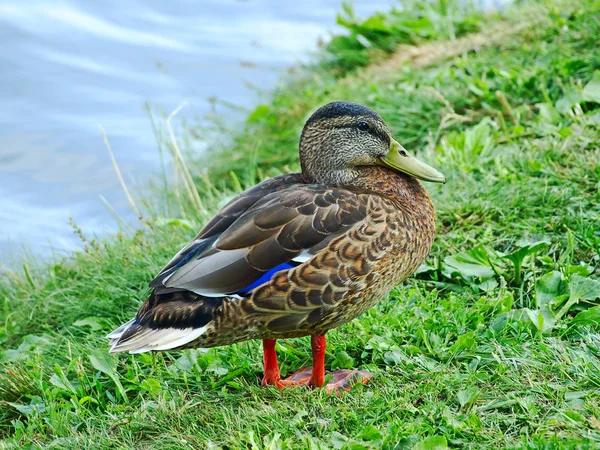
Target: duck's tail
x: 165, y: 321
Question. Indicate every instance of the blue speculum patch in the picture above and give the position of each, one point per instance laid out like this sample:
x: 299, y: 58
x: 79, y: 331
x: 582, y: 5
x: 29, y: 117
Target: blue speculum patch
x: 267, y: 276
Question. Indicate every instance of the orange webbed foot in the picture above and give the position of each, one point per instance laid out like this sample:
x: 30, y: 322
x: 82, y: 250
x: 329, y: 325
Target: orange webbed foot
x: 299, y: 378
x: 311, y: 376
x: 341, y: 380
x: 345, y: 380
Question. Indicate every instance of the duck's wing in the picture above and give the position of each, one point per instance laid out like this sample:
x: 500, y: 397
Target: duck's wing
x: 253, y: 237
x: 222, y: 220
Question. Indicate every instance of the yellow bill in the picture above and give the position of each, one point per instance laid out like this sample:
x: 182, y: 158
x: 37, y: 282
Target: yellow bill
x: 400, y: 160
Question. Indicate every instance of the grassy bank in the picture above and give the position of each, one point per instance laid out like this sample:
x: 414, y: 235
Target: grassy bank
x: 494, y: 343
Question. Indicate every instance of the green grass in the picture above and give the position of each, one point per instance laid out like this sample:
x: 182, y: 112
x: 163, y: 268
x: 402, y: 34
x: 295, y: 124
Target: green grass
x: 494, y: 343
x: 372, y: 39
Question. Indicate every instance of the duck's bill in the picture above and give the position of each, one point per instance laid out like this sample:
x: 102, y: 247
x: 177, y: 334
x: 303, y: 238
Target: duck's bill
x: 400, y: 160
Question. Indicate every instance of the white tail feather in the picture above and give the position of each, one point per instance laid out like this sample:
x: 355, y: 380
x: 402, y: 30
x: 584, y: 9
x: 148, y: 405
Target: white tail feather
x: 138, y: 340
x: 148, y: 339
x: 116, y: 334
x: 177, y: 338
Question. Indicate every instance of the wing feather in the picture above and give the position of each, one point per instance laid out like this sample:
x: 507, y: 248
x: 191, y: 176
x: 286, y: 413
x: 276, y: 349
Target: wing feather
x: 259, y: 230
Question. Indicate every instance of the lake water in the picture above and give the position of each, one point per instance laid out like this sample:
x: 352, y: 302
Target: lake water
x: 68, y: 66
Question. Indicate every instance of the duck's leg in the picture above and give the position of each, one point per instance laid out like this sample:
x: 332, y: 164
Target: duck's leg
x: 309, y: 376
x: 342, y: 379
x: 271, y: 376
x: 318, y: 345
x: 315, y: 376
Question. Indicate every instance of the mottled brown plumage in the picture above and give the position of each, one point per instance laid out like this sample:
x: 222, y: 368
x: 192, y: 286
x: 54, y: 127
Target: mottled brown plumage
x: 344, y: 232
x: 389, y: 231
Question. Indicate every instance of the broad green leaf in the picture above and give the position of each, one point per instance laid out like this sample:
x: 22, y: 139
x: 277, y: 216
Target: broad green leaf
x: 103, y: 362
x: 584, y: 288
x: 186, y: 361
x: 548, y: 113
x: 466, y: 397
x: 370, y: 433
x: 343, y: 360
x: 432, y: 443
x: 496, y: 305
x: 582, y: 269
x: 59, y: 379
x: 464, y: 342
x: 26, y: 409
x: 565, y: 132
x: 542, y: 319
x: 518, y: 256
x: 571, y: 98
x: 576, y: 417
x: 299, y: 418
x: 580, y: 288
x: 479, y: 138
x: 107, y: 364
x: 23, y: 409
x: 29, y: 343
x: 426, y: 267
x: 419, y: 26
x: 56, y: 381
x: 35, y: 406
x: 591, y: 91
x: 151, y: 385
x: 394, y: 357
x: 588, y: 317
x: 528, y: 249
x: 95, y: 323
x: 488, y: 285
x: 548, y: 287
x: 338, y: 440
x: 470, y: 264
x: 274, y: 443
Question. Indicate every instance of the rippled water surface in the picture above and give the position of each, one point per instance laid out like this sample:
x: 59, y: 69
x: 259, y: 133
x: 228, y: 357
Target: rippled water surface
x: 68, y: 66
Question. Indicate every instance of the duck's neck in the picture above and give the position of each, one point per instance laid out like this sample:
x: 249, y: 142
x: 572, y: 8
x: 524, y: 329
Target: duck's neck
x: 407, y: 192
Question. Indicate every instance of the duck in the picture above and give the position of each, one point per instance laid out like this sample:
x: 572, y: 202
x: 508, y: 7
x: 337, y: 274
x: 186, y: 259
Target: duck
x: 298, y: 254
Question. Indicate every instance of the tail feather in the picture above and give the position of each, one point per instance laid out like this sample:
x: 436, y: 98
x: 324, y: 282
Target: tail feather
x: 165, y: 321
x: 161, y: 339
x: 116, y: 334
x: 140, y: 337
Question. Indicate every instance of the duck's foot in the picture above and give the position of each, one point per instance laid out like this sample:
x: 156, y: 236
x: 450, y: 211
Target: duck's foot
x: 311, y: 376
x: 345, y: 379
x: 342, y: 379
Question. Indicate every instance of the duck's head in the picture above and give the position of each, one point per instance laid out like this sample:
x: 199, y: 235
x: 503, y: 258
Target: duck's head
x: 341, y: 138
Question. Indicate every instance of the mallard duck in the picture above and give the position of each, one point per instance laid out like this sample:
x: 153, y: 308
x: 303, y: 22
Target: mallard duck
x: 299, y: 254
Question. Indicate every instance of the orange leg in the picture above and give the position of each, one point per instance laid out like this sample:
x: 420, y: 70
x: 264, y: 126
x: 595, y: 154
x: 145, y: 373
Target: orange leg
x: 318, y: 345
x: 310, y: 376
x: 271, y: 376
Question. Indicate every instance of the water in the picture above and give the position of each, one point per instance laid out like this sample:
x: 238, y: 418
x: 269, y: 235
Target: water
x: 68, y: 66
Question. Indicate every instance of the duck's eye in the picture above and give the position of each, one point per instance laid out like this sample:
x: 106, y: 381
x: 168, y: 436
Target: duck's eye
x: 363, y: 126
